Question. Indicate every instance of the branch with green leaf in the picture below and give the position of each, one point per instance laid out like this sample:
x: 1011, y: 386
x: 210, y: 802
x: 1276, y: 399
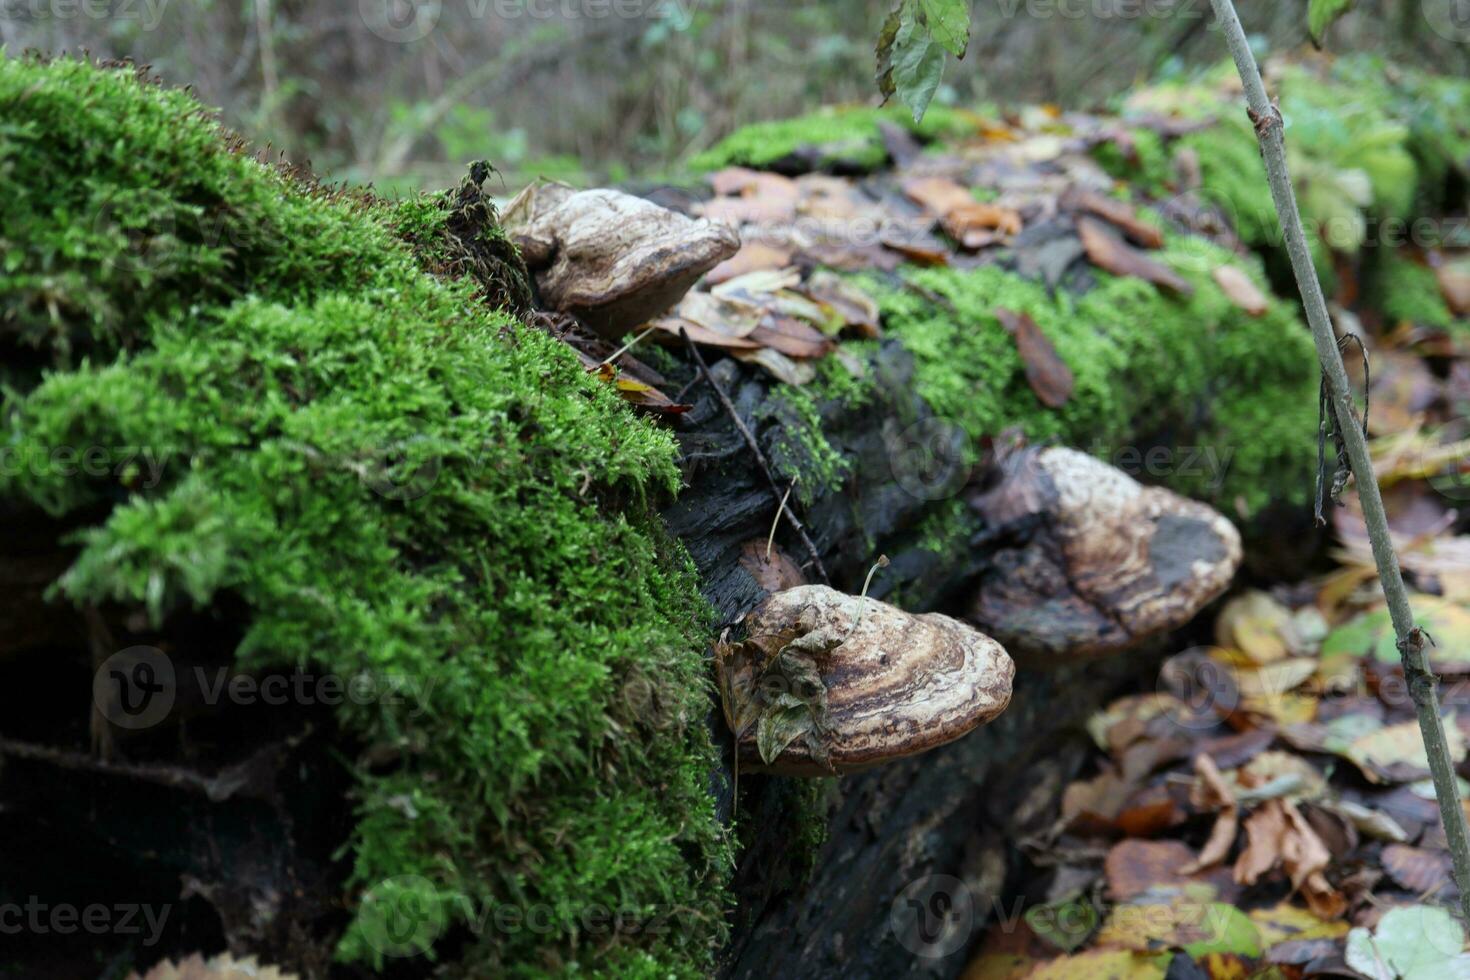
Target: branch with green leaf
x: 911, y: 47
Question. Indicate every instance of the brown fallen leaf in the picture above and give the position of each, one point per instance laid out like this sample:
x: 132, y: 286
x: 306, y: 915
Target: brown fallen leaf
x: 1454, y: 284
x: 1241, y: 290
x: 858, y: 310
x: 927, y: 251
x: 1118, y: 213
x: 1421, y: 870
x: 1110, y: 253
x: 1217, y: 847
x: 1046, y: 372
x: 675, y: 326
x: 631, y: 390
x: 1278, y: 835
x: 1212, y: 792
x: 1305, y: 859
x: 772, y: 569
x: 974, y: 224
x: 1258, y: 626
x: 1263, y: 832
x: 1134, y: 866
x: 1091, y: 806
x: 791, y: 337
x: 751, y: 197
x: 1148, y: 812
x: 752, y: 257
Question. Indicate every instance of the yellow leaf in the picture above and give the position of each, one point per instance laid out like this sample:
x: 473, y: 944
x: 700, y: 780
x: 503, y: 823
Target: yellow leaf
x: 1104, y: 964
x: 1284, y: 921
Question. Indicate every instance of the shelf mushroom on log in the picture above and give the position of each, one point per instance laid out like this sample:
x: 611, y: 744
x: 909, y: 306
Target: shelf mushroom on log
x: 1110, y: 563
x: 611, y: 259
x: 825, y: 682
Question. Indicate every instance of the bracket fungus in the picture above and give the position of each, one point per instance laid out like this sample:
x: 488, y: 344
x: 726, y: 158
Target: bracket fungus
x: 611, y: 259
x: 826, y: 682
x: 1107, y: 562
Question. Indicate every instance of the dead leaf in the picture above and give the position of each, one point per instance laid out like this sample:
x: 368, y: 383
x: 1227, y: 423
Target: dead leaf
x: 791, y: 337
x: 1149, y: 812
x: 751, y: 197
x: 1264, y: 830
x: 1101, y: 964
x: 1217, y: 847
x: 1046, y: 372
x: 1285, y: 922
x: 1395, y: 753
x: 773, y: 570
x: 1454, y: 284
x: 779, y: 365
x: 1110, y: 253
x: 752, y: 257
x: 1093, y: 805
x: 974, y: 224
x: 1118, y: 213
x: 1241, y: 290
x: 1258, y: 626
x: 1134, y: 866
x: 858, y: 311
x: 1425, y: 872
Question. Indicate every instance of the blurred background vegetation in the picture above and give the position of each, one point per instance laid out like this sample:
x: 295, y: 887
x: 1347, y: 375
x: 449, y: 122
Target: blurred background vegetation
x: 401, y: 93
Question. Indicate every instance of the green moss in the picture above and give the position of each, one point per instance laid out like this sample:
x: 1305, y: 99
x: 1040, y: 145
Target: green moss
x: 1406, y: 290
x: 1149, y: 169
x: 801, y: 448
x: 846, y: 136
x: 401, y: 485
x: 947, y: 528
x: 1146, y: 366
x: 1352, y: 153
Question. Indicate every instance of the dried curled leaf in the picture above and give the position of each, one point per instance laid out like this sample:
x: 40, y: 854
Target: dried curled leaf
x: 1110, y: 253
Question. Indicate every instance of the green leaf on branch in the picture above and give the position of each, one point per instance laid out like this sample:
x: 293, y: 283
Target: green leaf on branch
x: 1321, y: 14
x: 912, y: 45
x: 949, y: 23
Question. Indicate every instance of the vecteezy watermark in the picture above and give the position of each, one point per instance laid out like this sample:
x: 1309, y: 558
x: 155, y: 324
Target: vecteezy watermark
x: 402, y: 916
x: 148, y: 14
x: 39, y: 918
x: 1197, y: 691
x: 137, y: 688
x: 1210, y: 464
x: 1445, y: 462
x: 1173, y: 10
x: 405, y: 914
x: 1347, y: 231
x: 933, y: 916
x: 1450, y: 19
x: 929, y: 458
x: 139, y: 467
x: 405, y: 465
x: 406, y: 21
x: 937, y: 915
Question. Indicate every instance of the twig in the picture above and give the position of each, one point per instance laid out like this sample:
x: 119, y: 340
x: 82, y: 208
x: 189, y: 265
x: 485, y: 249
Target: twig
x: 1411, y: 638
x: 626, y: 347
x: 760, y: 457
x: 776, y: 521
x: 252, y: 777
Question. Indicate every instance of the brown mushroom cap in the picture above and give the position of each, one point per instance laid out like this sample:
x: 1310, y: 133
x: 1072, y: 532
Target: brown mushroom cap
x: 1111, y: 563
x: 895, y: 683
x: 611, y: 259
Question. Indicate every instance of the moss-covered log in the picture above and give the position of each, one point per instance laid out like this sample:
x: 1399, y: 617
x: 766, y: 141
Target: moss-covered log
x: 274, y: 430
